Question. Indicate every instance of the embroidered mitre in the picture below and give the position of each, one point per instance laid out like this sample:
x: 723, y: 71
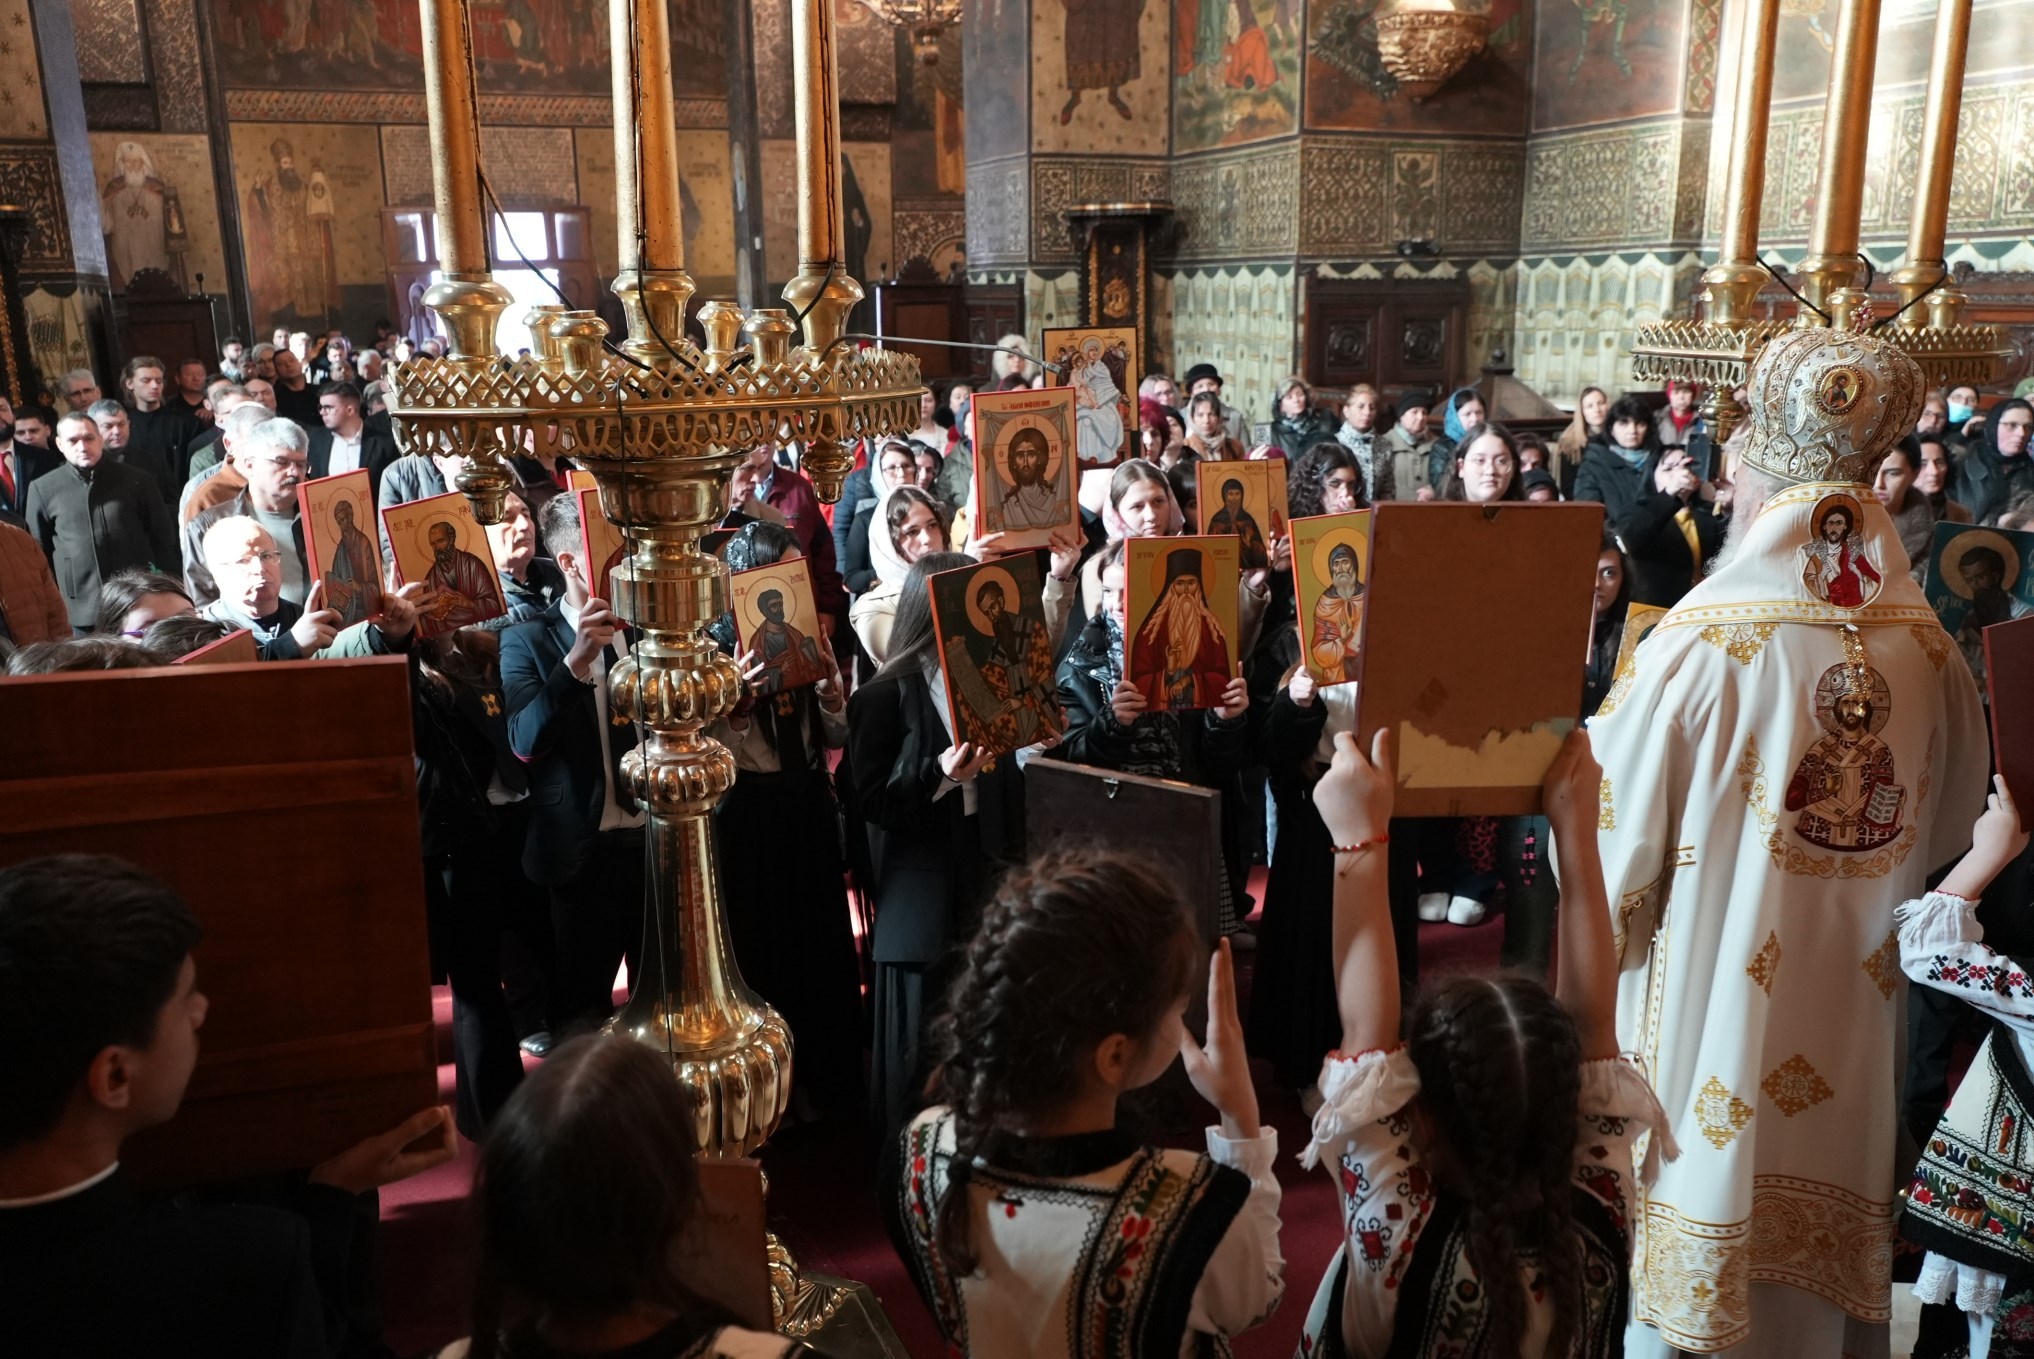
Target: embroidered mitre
x: 1826, y: 405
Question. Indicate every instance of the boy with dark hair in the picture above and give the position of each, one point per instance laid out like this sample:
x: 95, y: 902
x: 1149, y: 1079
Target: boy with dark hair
x: 99, y: 1019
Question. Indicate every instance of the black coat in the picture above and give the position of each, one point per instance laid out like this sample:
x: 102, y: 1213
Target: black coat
x: 932, y: 865
x: 1984, y: 482
x: 1294, y: 435
x: 1611, y: 481
x: 102, y: 1273
x: 94, y: 524
x: 377, y: 451
x: 159, y: 443
x: 554, y: 727
x: 1664, y: 566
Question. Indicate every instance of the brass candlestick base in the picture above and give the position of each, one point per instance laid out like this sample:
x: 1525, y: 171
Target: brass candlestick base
x: 1716, y: 354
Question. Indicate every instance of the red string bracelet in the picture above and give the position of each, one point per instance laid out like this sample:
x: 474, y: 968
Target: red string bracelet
x: 1361, y: 845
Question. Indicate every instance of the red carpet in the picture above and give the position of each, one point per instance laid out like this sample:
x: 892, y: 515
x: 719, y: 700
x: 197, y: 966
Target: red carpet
x: 823, y: 1206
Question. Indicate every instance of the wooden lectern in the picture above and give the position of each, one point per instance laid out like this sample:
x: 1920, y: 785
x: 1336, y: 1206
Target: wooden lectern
x: 280, y: 801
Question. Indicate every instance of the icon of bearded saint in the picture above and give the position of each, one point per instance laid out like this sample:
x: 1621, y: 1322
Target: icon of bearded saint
x: 1031, y: 502
x: 463, y: 588
x: 134, y: 208
x: 1003, y: 673
x: 1181, y: 655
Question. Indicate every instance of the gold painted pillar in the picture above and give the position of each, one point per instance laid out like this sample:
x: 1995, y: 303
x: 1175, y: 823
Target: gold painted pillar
x: 652, y: 285
x: 467, y: 300
x: 1925, y: 264
x: 1832, y: 263
x: 822, y: 292
x: 1734, y: 280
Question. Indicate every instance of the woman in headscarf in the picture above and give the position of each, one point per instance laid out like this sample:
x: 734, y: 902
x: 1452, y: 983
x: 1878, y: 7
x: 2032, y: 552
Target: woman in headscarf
x: 1592, y: 408
x: 1998, y: 465
x: 780, y: 853
x: 1296, y: 425
x: 908, y: 524
x: 1463, y: 410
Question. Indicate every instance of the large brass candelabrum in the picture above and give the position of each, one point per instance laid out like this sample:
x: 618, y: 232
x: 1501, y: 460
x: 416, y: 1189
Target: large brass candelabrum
x: 660, y: 424
x: 1719, y: 344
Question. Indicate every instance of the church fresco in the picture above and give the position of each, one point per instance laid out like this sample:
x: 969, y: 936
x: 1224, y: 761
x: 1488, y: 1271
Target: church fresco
x: 310, y: 199
x: 1098, y: 76
x: 1348, y: 88
x: 520, y: 46
x: 1603, y: 61
x: 140, y: 175
x: 1235, y: 71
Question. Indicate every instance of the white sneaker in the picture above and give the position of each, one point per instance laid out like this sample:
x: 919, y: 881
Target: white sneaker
x: 1433, y: 907
x: 1466, y: 911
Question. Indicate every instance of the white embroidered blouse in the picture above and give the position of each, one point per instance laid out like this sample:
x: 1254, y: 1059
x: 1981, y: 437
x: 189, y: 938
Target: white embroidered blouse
x: 1942, y: 946
x: 1363, y: 1130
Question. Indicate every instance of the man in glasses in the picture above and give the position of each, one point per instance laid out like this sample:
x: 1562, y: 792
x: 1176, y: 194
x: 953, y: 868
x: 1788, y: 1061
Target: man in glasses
x: 273, y: 457
x: 246, y: 564
x: 94, y: 516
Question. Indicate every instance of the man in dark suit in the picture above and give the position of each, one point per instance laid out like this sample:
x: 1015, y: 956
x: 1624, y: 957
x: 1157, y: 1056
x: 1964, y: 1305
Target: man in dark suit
x: 585, y: 842
x: 345, y: 442
x: 20, y: 464
x: 99, y: 1020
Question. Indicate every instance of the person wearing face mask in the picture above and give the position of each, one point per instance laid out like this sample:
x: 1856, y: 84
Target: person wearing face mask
x: 1997, y: 466
x: 274, y: 458
x: 1965, y: 421
x: 1618, y: 464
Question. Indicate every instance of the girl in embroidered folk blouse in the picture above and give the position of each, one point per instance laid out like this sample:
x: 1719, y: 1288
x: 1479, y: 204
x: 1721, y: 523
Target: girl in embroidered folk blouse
x: 1972, y: 1193
x: 1484, y: 1165
x: 1032, y: 1224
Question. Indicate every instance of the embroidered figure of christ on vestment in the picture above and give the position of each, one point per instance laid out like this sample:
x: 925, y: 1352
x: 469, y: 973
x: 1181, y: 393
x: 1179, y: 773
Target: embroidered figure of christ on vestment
x: 1781, y: 772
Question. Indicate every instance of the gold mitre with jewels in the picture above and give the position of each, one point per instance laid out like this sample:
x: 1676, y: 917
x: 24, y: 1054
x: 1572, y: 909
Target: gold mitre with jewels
x: 1828, y: 404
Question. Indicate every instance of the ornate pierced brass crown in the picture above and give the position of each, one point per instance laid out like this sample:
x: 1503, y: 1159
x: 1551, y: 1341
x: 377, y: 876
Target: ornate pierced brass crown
x: 1827, y: 404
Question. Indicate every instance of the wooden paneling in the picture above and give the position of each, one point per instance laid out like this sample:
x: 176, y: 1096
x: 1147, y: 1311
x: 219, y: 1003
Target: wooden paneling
x: 280, y: 801
x: 1394, y: 335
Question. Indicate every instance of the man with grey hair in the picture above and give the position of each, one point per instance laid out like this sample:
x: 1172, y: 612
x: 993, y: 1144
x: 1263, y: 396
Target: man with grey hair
x: 114, y: 429
x: 218, y: 481
x: 78, y: 388
x: 274, y: 457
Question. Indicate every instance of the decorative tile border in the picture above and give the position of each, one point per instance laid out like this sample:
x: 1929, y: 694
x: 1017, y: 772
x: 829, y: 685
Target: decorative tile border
x: 1059, y: 182
x: 1615, y: 188
x: 999, y: 211
x: 1242, y: 205
x: 496, y: 110
x: 1360, y: 196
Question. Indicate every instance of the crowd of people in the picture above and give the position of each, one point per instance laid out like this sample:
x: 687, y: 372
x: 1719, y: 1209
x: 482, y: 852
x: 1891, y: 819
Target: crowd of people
x: 1011, y: 999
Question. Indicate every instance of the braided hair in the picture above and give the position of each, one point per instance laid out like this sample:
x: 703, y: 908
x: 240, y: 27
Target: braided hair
x: 1074, y: 947
x: 1500, y: 1079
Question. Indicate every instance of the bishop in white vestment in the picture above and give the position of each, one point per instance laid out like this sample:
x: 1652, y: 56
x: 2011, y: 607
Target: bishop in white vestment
x: 1781, y: 771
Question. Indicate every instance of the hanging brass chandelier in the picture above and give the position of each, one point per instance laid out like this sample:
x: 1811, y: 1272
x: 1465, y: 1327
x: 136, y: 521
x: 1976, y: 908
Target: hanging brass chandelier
x: 926, y: 19
x: 661, y: 423
x: 1718, y: 346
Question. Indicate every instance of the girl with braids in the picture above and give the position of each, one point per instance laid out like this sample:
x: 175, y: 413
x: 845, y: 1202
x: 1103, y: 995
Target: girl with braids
x: 787, y: 914
x: 1032, y: 1223
x: 944, y: 818
x: 1484, y: 1160
x: 583, y: 1209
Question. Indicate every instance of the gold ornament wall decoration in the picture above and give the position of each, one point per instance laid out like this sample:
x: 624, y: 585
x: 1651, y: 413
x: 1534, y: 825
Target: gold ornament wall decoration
x: 1424, y: 45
